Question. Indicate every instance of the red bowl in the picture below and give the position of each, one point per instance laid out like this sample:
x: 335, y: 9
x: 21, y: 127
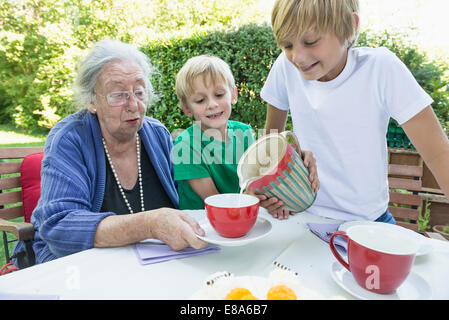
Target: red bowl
x: 232, y: 215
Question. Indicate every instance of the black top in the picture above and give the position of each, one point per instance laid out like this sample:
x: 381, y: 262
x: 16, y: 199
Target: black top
x: 154, y: 193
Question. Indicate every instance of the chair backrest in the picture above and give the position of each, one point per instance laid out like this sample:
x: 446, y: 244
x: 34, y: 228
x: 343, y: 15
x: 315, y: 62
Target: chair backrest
x: 405, y: 202
x: 10, y: 184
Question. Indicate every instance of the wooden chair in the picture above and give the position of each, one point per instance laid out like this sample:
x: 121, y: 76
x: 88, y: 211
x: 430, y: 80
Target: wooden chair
x: 405, y: 202
x: 11, y: 200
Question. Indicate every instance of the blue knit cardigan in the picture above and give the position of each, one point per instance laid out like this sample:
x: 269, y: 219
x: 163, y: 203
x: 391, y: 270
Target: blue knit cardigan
x: 73, y: 182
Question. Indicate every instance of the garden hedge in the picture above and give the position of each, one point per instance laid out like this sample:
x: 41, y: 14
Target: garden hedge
x: 250, y: 51
x: 36, y: 75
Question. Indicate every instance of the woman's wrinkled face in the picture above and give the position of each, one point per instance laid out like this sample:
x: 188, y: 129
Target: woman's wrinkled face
x: 121, y: 100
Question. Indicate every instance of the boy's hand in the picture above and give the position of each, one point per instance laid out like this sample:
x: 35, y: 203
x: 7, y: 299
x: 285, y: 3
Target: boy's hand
x: 310, y: 163
x: 274, y: 206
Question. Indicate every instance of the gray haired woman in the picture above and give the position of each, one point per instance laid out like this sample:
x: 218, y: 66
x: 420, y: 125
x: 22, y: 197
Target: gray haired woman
x: 107, y: 178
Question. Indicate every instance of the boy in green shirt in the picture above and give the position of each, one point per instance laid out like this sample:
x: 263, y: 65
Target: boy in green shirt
x: 207, y: 161
x: 206, y: 155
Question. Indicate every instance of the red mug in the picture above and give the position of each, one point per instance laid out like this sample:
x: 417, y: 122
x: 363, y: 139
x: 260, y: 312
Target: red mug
x: 379, y: 259
x: 232, y: 215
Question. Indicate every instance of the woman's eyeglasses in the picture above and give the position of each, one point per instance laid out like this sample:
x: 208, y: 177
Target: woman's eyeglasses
x: 120, y: 98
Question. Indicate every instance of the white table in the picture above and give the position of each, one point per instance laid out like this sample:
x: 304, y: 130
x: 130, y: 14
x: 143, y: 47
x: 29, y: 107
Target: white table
x: 115, y: 273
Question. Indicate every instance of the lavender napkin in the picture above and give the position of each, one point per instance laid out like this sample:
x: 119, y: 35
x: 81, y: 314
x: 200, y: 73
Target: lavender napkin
x: 325, y: 230
x: 27, y: 296
x: 154, y: 252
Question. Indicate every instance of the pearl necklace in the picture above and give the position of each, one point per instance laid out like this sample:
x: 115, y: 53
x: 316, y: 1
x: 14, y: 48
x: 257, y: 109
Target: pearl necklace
x: 118, y: 181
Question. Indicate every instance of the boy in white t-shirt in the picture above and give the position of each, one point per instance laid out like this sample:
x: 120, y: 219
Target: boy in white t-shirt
x: 341, y: 99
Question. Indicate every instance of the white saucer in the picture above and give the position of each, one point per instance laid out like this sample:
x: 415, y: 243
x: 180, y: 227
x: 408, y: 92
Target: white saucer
x: 425, y: 246
x: 261, y: 228
x: 413, y: 288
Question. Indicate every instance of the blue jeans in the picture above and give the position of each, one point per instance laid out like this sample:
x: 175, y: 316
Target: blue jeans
x: 386, y: 217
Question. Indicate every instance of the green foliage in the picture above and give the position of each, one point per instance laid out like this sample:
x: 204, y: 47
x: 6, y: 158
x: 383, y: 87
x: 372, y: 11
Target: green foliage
x: 250, y: 52
x: 433, y: 76
x: 34, y: 69
x: 446, y: 229
x: 424, y: 218
x: 42, y: 40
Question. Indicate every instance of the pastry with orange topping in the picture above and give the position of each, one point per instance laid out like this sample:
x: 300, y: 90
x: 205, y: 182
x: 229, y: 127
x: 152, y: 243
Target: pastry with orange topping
x: 240, y: 294
x: 281, y: 292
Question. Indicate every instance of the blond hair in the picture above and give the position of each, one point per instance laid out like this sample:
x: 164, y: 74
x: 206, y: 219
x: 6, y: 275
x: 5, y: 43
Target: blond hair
x: 295, y: 17
x: 203, y: 65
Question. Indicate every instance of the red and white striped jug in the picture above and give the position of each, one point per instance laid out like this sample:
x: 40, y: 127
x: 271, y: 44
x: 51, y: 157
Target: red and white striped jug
x: 271, y: 166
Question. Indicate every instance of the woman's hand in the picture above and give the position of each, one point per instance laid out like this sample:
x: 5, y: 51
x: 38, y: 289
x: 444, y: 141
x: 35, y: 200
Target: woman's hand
x: 173, y: 227
x: 176, y: 229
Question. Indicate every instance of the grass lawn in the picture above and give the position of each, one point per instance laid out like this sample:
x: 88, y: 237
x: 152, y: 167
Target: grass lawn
x: 10, y: 244
x: 13, y: 137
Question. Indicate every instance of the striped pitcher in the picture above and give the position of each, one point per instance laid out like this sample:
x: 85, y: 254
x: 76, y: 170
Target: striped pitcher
x: 272, y: 167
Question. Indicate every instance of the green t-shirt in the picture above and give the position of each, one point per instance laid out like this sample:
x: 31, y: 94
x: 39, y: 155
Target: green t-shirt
x: 196, y: 155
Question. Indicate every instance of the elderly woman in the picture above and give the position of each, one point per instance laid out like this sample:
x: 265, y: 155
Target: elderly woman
x: 107, y: 178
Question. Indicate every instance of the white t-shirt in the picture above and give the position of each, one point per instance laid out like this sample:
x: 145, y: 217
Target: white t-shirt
x: 344, y: 123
